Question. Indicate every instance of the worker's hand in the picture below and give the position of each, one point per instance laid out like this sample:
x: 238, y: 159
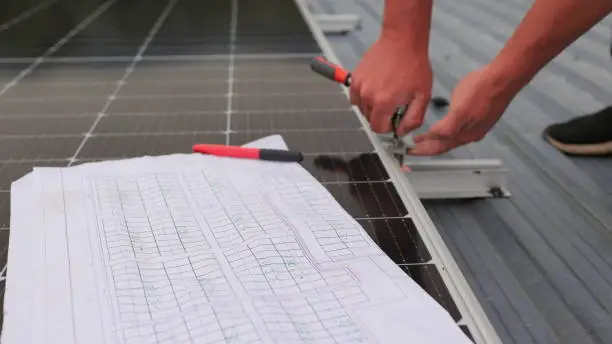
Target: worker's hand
x: 392, y: 74
x: 476, y: 105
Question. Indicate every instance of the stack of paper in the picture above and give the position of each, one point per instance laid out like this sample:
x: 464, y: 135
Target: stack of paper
x: 201, y: 249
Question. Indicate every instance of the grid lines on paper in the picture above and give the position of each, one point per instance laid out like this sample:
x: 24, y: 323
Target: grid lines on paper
x: 315, y: 318
x: 338, y: 237
x: 165, y: 290
x: 230, y: 216
x: 278, y: 266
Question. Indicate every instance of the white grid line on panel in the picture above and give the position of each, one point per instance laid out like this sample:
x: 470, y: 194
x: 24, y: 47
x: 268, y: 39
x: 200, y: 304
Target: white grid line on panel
x: 172, y: 96
x: 158, y: 24
x: 162, y: 58
x: 171, y: 83
x: 232, y: 63
x: 288, y: 111
x: 57, y: 160
x: 264, y: 56
x: 30, y: 161
x: 26, y: 15
x: 41, y: 116
x: 41, y: 136
x: 429, y: 262
x: 178, y: 133
x: 188, y: 151
x: 42, y: 58
x: 345, y: 182
x: 407, y: 216
x: 176, y: 81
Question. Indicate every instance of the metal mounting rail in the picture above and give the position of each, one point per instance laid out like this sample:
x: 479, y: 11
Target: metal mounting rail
x: 451, y: 179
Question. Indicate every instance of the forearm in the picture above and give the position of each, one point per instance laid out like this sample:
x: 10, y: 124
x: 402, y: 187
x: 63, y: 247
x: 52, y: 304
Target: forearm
x: 408, y: 21
x: 548, y: 28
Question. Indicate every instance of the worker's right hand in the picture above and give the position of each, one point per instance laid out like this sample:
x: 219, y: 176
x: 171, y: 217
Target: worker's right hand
x: 392, y: 74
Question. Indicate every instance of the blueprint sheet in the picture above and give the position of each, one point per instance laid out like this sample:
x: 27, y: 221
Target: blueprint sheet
x: 190, y: 248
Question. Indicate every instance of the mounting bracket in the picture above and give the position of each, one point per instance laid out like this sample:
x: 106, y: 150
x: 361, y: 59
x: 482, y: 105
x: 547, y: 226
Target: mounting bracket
x: 338, y: 23
x: 457, y: 179
x: 448, y: 178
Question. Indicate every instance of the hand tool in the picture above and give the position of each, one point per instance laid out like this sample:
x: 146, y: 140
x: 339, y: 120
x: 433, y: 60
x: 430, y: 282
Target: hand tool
x: 248, y: 153
x: 333, y: 72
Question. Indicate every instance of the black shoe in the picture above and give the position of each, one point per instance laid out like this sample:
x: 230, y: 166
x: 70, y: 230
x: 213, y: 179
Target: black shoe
x: 588, y: 135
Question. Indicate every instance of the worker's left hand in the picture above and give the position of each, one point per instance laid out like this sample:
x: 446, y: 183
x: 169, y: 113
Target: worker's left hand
x: 476, y: 105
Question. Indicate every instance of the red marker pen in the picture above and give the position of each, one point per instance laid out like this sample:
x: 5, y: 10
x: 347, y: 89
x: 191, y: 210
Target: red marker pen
x: 248, y: 153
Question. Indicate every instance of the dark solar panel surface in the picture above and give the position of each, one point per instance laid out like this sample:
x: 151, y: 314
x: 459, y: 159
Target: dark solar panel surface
x: 55, y: 113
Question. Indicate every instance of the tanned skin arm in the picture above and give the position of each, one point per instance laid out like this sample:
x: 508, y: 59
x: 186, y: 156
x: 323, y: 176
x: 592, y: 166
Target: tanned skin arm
x: 409, y: 21
x: 547, y: 29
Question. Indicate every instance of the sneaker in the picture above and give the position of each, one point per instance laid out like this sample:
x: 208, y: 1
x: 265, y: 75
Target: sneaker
x: 585, y: 135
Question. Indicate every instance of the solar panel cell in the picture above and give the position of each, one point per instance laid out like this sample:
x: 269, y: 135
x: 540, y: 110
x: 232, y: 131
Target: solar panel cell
x: 292, y: 121
x: 289, y: 102
x: 173, y: 87
x: 38, y: 147
x: 53, y: 90
x: 428, y: 277
x: 346, y: 167
x: 74, y: 106
x: 5, y: 211
x: 173, y: 72
x: 32, y: 37
x: 368, y: 200
x: 315, y: 142
x: 279, y: 87
x: 162, y: 123
x: 399, y: 238
x: 84, y: 72
x: 266, y: 45
x: 10, y: 70
x: 2, y: 290
x: 194, y: 27
x: 202, y: 47
x: 276, y: 69
x: 112, y: 146
x: 48, y: 125
x: 289, y: 62
x: 115, y: 32
x: 167, y: 104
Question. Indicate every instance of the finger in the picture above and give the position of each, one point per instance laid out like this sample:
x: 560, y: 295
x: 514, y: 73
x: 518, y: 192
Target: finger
x: 415, y: 115
x: 354, y: 92
x: 429, y: 148
x: 440, y: 146
x: 366, y: 104
x: 380, y: 118
x: 447, y: 128
x: 381, y: 124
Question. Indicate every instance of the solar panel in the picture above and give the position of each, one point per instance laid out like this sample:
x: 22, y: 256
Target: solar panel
x: 155, y: 77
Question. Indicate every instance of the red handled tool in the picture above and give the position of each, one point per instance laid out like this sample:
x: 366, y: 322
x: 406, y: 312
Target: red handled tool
x: 248, y: 153
x: 331, y: 71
